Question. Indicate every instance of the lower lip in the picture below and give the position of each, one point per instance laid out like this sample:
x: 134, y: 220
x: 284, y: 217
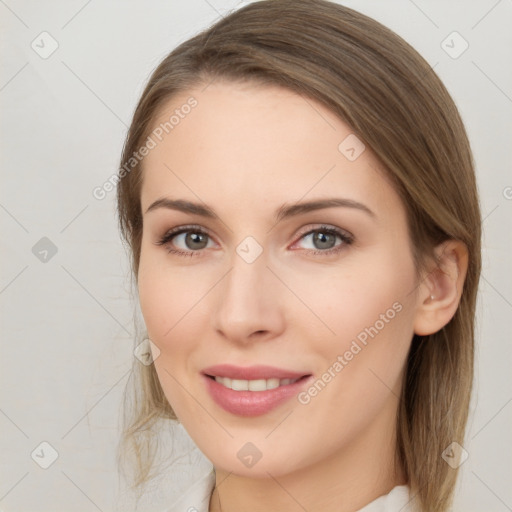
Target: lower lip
x: 252, y: 403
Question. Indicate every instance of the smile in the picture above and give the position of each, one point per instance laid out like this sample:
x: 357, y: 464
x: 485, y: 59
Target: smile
x: 253, y: 385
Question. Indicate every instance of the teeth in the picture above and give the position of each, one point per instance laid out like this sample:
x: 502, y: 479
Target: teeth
x: 253, y: 385
x: 256, y: 385
x: 240, y: 385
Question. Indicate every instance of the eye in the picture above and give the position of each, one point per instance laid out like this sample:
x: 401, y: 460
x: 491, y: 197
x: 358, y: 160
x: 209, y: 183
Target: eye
x: 191, y: 240
x: 325, y: 240
x: 186, y: 240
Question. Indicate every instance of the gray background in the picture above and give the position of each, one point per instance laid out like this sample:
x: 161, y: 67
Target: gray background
x: 67, y: 318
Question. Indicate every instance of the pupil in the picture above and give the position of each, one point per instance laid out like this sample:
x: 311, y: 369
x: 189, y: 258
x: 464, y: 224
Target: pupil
x: 323, y: 240
x: 196, y: 240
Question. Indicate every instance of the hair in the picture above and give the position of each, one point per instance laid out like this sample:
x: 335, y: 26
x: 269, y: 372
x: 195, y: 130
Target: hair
x: 395, y: 103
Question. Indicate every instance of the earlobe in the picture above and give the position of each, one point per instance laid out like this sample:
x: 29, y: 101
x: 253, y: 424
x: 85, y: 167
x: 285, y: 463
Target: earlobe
x: 441, y: 289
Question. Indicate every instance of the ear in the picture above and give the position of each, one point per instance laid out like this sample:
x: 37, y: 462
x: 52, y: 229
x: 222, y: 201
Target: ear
x: 441, y: 288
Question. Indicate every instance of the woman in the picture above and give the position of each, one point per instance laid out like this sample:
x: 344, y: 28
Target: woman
x: 298, y: 195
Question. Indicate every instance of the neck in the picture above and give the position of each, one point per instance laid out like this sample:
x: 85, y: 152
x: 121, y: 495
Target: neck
x: 358, y: 473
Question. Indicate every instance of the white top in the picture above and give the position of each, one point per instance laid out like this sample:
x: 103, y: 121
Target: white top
x: 197, y: 498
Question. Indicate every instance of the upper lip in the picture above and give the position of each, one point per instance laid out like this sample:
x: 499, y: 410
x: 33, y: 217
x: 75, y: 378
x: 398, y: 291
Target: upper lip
x: 251, y: 372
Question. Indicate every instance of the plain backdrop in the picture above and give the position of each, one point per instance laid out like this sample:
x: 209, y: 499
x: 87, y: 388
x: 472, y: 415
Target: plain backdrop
x: 66, y: 309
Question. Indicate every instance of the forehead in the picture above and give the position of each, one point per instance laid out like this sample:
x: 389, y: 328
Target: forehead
x: 254, y: 145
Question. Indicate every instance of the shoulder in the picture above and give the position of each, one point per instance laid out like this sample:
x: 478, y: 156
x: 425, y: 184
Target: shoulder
x: 197, y: 498
x: 398, y: 499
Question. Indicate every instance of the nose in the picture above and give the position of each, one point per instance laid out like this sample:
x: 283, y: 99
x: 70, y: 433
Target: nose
x: 248, y: 305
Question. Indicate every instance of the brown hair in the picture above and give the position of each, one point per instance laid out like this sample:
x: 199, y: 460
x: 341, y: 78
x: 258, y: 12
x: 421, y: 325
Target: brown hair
x: 395, y: 103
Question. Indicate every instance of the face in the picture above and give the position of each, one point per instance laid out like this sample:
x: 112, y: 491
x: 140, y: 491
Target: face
x: 275, y: 257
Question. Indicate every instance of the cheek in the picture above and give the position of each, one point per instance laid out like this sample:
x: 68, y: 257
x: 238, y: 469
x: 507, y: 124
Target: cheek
x: 165, y: 294
x: 162, y: 306
x: 372, y: 314
x: 167, y: 301
x: 367, y: 312
x: 358, y: 371
x: 347, y: 301
x: 174, y: 303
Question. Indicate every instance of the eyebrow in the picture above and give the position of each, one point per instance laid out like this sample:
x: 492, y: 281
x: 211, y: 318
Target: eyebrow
x: 282, y: 213
x: 298, y: 208
x: 183, y: 206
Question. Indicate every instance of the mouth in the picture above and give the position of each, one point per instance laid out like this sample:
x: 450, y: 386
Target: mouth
x: 252, y: 373
x: 254, y: 385
x: 252, y: 391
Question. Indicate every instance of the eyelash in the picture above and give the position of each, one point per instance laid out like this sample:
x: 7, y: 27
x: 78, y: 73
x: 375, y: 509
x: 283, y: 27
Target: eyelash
x: 178, y: 231
x: 345, y: 237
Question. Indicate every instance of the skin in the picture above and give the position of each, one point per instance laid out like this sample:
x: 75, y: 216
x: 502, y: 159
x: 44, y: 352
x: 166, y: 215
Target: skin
x: 247, y: 150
